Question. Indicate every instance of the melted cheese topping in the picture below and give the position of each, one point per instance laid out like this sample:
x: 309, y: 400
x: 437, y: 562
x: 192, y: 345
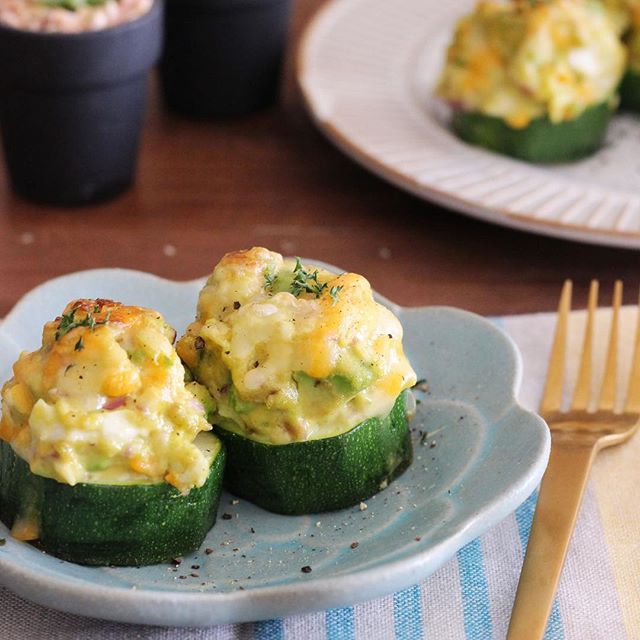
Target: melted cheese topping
x: 522, y: 60
x: 286, y: 368
x: 104, y: 401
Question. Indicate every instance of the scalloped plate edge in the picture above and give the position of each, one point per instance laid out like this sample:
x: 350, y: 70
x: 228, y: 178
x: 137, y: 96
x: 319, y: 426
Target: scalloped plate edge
x: 202, y: 609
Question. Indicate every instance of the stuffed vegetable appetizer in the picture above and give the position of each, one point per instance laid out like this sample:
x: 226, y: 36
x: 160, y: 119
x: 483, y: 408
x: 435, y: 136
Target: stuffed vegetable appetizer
x: 106, y: 455
x: 309, y: 378
x: 534, y: 79
x: 70, y: 16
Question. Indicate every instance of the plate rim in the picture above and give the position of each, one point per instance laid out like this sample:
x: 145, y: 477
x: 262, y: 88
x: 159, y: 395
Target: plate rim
x: 117, y: 603
x: 495, y: 215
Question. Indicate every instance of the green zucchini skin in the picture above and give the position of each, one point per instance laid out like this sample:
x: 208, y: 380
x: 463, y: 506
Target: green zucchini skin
x: 630, y: 91
x: 119, y: 525
x: 542, y: 141
x: 320, y: 475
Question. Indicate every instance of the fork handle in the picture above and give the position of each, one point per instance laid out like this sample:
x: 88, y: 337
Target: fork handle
x: 559, y: 500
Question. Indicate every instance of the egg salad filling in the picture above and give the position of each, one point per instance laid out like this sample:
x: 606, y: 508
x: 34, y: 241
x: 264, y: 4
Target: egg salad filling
x: 104, y: 401
x: 528, y: 59
x: 292, y: 352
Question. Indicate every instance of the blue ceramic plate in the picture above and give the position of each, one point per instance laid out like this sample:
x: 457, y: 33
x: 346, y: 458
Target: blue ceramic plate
x: 482, y: 455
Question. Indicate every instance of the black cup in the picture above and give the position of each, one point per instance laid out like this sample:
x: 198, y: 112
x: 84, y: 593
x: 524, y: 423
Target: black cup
x: 72, y: 106
x: 223, y: 57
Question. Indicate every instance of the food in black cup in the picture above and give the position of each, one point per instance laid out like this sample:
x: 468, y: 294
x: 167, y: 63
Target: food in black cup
x: 73, y: 84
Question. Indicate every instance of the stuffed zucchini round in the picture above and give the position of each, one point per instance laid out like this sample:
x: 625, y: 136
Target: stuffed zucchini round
x: 320, y: 475
x: 308, y: 375
x: 534, y: 80
x: 105, y: 457
x: 541, y: 141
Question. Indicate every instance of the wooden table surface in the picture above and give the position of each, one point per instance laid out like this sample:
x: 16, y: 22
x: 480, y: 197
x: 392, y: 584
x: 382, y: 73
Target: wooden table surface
x: 272, y: 179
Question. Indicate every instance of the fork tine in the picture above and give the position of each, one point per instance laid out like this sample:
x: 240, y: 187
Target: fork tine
x: 583, y: 386
x: 608, y: 393
x: 552, y: 396
x: 632, y: 404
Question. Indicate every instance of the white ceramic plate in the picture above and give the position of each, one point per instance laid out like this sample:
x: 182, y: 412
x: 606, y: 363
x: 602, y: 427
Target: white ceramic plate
x: 367, y: 69
x: 488, y: 456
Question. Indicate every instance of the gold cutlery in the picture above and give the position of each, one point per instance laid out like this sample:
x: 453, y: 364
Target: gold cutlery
x: 592, y: 422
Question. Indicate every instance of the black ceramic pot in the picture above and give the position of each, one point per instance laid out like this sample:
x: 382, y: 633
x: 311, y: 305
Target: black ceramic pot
x: 72, y: 105
x: 223, y: 57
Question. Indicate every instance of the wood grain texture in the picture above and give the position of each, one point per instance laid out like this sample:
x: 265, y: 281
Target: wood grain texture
x: 271, y: 179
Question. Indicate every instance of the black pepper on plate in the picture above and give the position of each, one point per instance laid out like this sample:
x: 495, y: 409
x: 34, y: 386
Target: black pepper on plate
x: 306, y: 569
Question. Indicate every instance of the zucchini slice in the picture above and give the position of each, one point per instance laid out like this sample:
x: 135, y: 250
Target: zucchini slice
x: 542, y: 141
x: 320, y: 475
x: 630, y: 91
x: 123, y: 525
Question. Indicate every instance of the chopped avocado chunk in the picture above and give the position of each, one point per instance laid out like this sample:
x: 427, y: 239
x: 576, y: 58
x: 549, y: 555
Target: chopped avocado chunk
x: 341, y: 384
x: 237, y: 403
x: 137, y: 356
x: 98, y: 464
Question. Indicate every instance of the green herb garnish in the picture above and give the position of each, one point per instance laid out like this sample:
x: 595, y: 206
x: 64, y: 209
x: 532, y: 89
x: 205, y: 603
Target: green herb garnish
x: 270, y: 278
x: 306, y: 282
x: 2, y: 542
x: 303, y: 281
x: 68, y: 321
x: 334, y: 291
x: 79, y: 345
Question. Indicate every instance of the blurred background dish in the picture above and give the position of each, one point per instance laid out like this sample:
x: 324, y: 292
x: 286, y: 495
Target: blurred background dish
x: 536, y: 81
x: 367, y: 71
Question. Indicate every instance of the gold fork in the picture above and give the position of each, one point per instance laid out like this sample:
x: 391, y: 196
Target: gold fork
x: 576, y: 436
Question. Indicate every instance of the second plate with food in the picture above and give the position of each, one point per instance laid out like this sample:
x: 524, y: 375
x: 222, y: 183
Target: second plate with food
x: 367, y: 69
x: 477, y: 456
